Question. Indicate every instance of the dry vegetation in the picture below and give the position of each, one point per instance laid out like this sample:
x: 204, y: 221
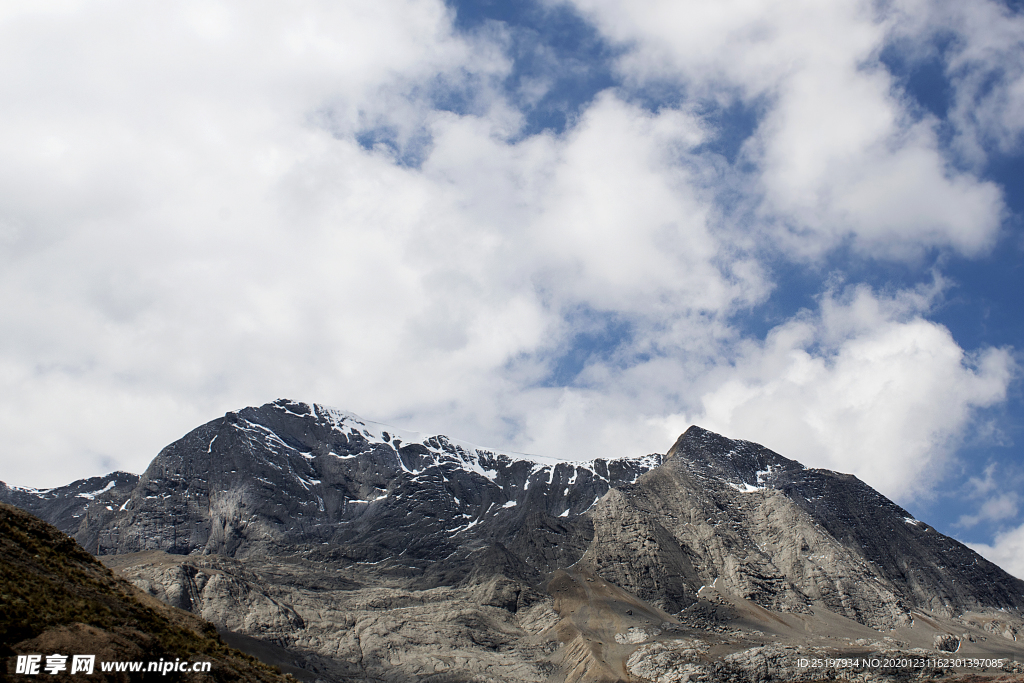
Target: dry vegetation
x: 55, y: 594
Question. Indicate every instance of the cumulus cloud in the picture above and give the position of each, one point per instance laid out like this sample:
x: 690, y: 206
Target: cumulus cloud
x: 996, y: 509
x: 979, y: 44
x: 169, y: 177
x: 995, y: 495
x: 862, y: 384
x: 839, y: 154
x: 1007, y: 551
x: 866, y: 385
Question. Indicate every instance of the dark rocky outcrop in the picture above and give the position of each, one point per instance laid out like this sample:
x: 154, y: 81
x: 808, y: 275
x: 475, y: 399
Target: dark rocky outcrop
x: 288, y: 473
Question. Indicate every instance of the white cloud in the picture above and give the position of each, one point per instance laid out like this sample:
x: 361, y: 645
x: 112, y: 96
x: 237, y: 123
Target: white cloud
x: 995, y: 509
x: 839, y: 154
x: 183, y: 234
x: 982, y: 43
x: 1007, y: 551
x: 980, y: 487
x: 866, y: 386
x: 996, y: 489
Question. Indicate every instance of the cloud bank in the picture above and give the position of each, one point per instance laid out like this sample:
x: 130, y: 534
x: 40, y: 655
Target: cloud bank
x: 867, y: 386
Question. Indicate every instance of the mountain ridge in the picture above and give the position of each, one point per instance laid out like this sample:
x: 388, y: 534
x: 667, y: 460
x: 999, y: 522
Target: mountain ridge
x: 295, y: 473
x: 288, y: 496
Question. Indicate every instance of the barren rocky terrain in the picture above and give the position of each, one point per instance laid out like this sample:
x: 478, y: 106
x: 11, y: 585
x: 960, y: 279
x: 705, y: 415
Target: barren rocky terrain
x: 324, y: 623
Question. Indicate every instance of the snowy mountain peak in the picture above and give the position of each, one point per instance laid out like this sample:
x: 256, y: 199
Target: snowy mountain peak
x: 743, y: 465
x: 441, y: 448
x: 292, y: 472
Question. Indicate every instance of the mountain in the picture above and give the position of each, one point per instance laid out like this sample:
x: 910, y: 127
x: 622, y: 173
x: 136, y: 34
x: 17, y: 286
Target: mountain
x: 289, y: 473
x: 59, y: 598
x: 769, y: 529
x: 73, y: 508
x: 314, y: 530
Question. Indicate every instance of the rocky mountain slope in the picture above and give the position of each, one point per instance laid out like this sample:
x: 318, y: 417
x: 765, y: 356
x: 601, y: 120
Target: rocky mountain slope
x: 332, y: 621
x: 289, y: 473
x: 766, y: 528
x: 66, y: 507
x: 304, y: 526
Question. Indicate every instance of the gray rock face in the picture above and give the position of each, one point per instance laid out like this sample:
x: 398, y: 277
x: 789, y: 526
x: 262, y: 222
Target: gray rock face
x: 765, y: 528
x: 82, y: 509
x: 289, y: 479
x: 925, y: 568
x: 346, y: 624
x: 289, y: 473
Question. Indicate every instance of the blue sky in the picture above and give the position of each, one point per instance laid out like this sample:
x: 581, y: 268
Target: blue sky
x: 569, y: 228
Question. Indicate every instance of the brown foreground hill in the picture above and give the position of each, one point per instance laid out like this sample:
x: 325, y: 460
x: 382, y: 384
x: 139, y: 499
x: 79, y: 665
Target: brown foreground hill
x: 57, y: 598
